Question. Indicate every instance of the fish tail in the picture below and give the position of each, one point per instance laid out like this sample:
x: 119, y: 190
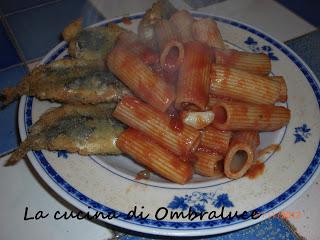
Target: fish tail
x: 18, y: 154
x: 72, y: 30
x: 8, y: 95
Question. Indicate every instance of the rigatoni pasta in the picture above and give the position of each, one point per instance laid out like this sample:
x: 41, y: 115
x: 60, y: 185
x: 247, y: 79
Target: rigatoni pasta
x: 243, y: 86
x: 165, y: 33
x: 182, y: 21
x: 283, y: 96
x: 129, y: 40
x: 241, y: 153
x: 215, y: 139
x: 208, y: 164
x: 256, y: 63
x: 207, y: 31
x: 245, y: 116
x: 140, y: 79
x: 172, y: 56
x: 194, y: 77
x: 156, y: 158
x: 157, y: 125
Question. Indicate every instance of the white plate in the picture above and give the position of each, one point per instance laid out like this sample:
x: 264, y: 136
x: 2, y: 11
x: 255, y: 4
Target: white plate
x: 108, y: 184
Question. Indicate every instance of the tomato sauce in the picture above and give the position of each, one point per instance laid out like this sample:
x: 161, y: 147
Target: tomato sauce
x: 255, y: 170
x: 176, y: 123
x: 170, y: 64
x: 190, y: 158
x: 149, y: 56
x: 206, y: 150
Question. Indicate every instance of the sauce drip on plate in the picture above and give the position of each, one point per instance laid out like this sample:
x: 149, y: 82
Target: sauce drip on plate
x: 255, y: 170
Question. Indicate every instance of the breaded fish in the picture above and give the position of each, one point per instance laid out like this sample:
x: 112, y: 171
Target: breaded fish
x: 90, y: 43
x: 83, y: 129
x: 162, y: 9
x: 69, y: 81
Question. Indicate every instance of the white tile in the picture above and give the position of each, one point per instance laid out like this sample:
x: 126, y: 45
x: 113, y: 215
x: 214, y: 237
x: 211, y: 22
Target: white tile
x: 113, y: 8
x: 267, y: 15
x: 19, y: 189
x: 308, y: 204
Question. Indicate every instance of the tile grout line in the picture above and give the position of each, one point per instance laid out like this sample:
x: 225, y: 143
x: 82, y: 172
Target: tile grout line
x: 13, y: 40
x: 303, y: 35
x: 12, y: 66
x: 96, y: 9
x: 33, y: 7
x: 37, y: 59
x: 24, y: 62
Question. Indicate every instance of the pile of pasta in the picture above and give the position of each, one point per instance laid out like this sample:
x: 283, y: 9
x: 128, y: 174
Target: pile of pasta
x: 197, y: 106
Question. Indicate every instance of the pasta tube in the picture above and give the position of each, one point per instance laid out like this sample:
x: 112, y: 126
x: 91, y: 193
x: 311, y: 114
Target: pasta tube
x: 256, y: 63
x: 129, y: 40
x: 172, y: 56
x: 208, y: 164
x: 157, y: 125
x: 165, y: 33
x: 283, y: 96
x: 241, y: 153
x: 214, y: 99
x: 215, y: 139
x: 140, y: 78
x: 243, y: 86
x: 207, y: 31
x: 147, y: 152
x: 244, y: 116
x: 182, y: 22
x: 194, y: 77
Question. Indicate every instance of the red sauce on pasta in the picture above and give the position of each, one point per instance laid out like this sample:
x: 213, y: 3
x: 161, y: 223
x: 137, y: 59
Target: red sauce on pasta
x: 149, y: 56
x: 190, y: 158
x: 226, y: 57
x: 268, y: 111
x: 171, y: 60
x: 206, y: 150
x: 220, y: 114
x: 255, y: 170
x: 176, y: 122
x: 170, y: 77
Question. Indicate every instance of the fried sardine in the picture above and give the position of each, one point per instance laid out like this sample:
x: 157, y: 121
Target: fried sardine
x: 69, y: 81
x: 83, y: 129
x: 91, y: 43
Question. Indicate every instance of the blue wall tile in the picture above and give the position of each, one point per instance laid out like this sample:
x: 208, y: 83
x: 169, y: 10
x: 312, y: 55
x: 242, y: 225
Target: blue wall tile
x: 8, y: 6
x: 308, y: 48
x: 8, y: 54
x: 9, y: 136
x: 38, y: 30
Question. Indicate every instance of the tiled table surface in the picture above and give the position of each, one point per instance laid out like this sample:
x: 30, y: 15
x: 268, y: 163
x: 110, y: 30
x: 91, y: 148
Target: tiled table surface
x: 30, y: 28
